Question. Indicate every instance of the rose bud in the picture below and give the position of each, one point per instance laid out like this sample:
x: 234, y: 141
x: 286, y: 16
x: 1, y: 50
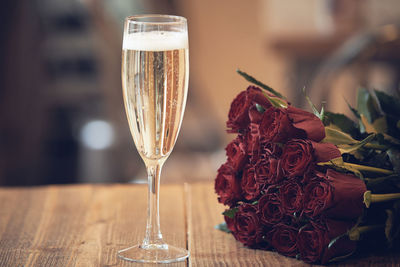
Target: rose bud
x: 298, y: 155
x: 284, y: 239
x: 337, y: 195
x: 270, y: 208
x: 250, y: 188
x: 276, y: 126
x: 292, y: 197
x: 282, y: 124
x: 268, y: 171
x: 314, y: 238
x: 238, y: 117
x: 247, y: 227
x: 324, y: 152
x: 307, y: 122
x: 227, y: 185
x: 236, y: 153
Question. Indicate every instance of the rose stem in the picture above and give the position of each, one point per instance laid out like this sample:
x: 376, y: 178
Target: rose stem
x: 376, y: 146
x: 368, y: 168
x: 373, y: 198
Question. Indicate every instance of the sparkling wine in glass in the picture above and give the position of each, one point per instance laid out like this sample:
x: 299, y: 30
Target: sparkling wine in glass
x: 155, y: 72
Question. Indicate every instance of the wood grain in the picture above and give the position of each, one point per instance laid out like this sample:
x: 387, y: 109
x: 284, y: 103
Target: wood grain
x: 85, y: 225
x: 82, y: 225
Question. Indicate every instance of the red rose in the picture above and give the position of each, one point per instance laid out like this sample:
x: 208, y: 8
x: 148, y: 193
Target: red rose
x: 250, y: 188
x: 284, y: 239
x: 337, y: 195
x: 318, y: 197
x: 280, y: 125
x: 296, y: 157
x: 307, y: 122
x: 238, y: 117
x: 268, y: 171
x: 291, y: 195
x: 247, y: 226
x: 238, y: 113
x: 227, y: 185
x: 236, y: 153
x: 276, y: 126
x: 314, y: 238
x: 270, y: 208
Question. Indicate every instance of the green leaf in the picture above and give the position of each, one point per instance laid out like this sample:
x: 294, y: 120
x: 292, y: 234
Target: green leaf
x: 384, y: 185
x: 394, y: 157
x: 369, y: 128
x: 313, y: 107
x: 392, y: 225
x: 353, y: 110
x: 222, y: 227
x: 377, y: 128
x: 357, y: 115
x: 322, y: 112
x: 230, y: 213
x: 389, y: 104
x: 391, y: 139
x: 337, y: 137
x: 389, y: 226
x: 256, y: 82
x: 380, y: 125
x: 346, y: 148
x: 341, y: 121
x: 367, y: 105
x: 276, y: 102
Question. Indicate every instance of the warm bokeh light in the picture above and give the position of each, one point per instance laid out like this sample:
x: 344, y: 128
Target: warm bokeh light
x: 62, y: 117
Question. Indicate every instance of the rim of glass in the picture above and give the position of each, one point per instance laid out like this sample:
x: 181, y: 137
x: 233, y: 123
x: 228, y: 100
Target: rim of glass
x: 174, y: 19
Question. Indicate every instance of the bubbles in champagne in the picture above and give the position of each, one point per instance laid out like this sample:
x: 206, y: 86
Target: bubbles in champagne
x: 155, y: 41
x: 155, y: 87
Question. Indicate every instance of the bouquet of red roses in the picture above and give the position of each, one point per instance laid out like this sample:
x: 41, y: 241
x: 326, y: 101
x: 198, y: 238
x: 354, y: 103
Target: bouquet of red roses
x: 311, y: 185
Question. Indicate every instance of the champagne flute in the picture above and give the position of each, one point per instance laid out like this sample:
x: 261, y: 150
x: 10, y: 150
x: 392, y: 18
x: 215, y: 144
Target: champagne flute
x: 155, y: 73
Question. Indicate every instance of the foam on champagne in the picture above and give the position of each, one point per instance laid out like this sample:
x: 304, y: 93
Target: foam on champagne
x: 155, y: 41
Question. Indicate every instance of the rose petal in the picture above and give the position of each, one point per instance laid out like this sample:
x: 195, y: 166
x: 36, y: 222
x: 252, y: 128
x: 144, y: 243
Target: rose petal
x: 324, y: 152
x: 307, y: 122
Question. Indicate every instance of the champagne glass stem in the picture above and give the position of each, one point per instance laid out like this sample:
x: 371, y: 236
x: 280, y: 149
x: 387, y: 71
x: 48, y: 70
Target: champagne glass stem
x: 153, y: 237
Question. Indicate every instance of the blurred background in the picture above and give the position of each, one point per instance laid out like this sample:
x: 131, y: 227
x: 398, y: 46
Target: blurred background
x: 61, y: 112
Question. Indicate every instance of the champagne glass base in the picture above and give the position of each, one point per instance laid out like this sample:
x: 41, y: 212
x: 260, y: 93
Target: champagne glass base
x: 154, y: 254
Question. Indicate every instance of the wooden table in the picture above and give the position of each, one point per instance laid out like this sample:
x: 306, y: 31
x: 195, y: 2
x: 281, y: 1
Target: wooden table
x: 85, y: 225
